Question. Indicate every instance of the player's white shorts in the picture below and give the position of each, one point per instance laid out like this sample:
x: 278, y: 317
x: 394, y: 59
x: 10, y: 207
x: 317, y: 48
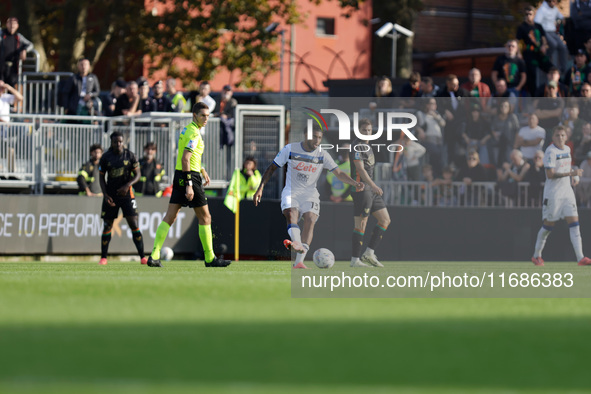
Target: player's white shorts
x: 304, y: 203
x: 554, y: 209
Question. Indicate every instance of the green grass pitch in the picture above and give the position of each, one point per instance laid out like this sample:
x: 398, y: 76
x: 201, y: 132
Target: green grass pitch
x: 125, y: 328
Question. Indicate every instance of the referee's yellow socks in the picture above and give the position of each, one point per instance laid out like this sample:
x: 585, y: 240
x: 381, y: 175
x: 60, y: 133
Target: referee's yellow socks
x: 207, y: 242
x: 159, y: 239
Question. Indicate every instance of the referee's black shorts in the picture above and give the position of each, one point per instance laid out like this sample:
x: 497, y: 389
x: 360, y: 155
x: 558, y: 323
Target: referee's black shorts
x: 366, y: 202
x: 179, y: 190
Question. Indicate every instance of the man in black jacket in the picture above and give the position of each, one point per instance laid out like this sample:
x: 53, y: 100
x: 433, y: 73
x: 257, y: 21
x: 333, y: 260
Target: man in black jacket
x: 452, y: 102
x: 81, y: 91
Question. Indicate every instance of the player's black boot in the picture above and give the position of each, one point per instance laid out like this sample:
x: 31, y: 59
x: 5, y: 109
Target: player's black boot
x: 217, y: 262
x: 154, y: 263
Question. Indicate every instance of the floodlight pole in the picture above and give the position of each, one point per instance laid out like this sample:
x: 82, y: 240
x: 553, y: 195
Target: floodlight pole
x: 394, y: 37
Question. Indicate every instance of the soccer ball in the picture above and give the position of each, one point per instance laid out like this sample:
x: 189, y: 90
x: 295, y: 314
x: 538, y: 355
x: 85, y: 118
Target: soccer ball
x: 166, y: 253
x: 323, y: 258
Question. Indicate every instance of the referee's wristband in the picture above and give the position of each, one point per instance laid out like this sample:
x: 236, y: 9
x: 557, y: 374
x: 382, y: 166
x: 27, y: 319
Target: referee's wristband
x: 190, y: 183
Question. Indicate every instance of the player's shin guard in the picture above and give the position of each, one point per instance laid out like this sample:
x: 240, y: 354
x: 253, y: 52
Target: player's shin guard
x: 159, y: 239
x: 301, y: 256
x: 138, y: 240
x: 207, y: 242
x: 356, y: 243
x: 294, y: 233
x: 376, y: 237
x: 105, y: 240
x: 541, y: 240
x: 575, y: 239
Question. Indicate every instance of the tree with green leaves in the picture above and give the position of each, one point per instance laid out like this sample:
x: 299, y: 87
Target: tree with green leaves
x: 116, y: 34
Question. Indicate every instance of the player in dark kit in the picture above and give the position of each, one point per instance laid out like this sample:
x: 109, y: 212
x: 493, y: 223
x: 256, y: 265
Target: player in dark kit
x: 124, y: 170
x: 366, y: 202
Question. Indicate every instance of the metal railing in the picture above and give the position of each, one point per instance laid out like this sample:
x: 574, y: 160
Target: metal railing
x: 458, y: 194
x: 41, y: 92
x: 46, y: 151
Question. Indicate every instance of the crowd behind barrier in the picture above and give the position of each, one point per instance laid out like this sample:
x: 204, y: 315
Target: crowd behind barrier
x: 479, y: 140
x: 46, y: 151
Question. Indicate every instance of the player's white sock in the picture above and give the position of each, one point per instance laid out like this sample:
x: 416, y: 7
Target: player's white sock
x: 541, y: 240
x: 575, y: 239
x: 301, y: 256
x: 294, y: 233
x: 370, y: 251
x: 354, y: 260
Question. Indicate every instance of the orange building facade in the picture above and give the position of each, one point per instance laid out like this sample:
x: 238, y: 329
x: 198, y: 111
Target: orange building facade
x: 326, y: 45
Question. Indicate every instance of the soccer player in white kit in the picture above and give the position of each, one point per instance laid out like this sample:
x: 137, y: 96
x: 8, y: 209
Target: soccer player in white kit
x: 559, y: 197
x: 305, y: 161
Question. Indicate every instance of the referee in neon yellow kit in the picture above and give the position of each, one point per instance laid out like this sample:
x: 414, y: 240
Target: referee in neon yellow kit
x: 187, y: 190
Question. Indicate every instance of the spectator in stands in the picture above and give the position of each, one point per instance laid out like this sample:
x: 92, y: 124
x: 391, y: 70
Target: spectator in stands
x: 443, y: 188
x: 511, y: 174
x: 383, y: 92
x: 411, y: 89
x: 533, y: 43
x: 384, y: 88
x: 536, y: 176
x: 430, y: 134
x: 552, y: 75
x: 203, y: 96
x: 163, y: 104
x: 547, y: 16
x: 152, y: 173
x: 13, y: 48
x: 472, y: 171
x: 585, y: 102
x: 577, y: 74
x: 428, y: 88
x: 584, y: 145
x: 117, y: 89
x: 574, y: 123
x: 129, y: 102
x: 580, y: 13
x: 453, y: 104
x: 500, y: 95
x: 8, y: 96
x: 147, y: 103
x: 476, y: 88
x: 88, y: 175
x: 587, y: 46
x: 407, y: 166
x: 226, y: 112
x: 530, y: 138
x: 583, y: 190
x: 477, y: 133
x: 511, y: 68
x: 549, y: 111
x: 505, y: 127
x: 176, y: 98
x: 82, y: 90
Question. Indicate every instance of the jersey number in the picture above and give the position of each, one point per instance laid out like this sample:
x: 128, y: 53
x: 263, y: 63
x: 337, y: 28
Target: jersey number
x: 314, y: 206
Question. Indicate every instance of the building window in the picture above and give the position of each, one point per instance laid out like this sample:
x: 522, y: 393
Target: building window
x: 325, y: 27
